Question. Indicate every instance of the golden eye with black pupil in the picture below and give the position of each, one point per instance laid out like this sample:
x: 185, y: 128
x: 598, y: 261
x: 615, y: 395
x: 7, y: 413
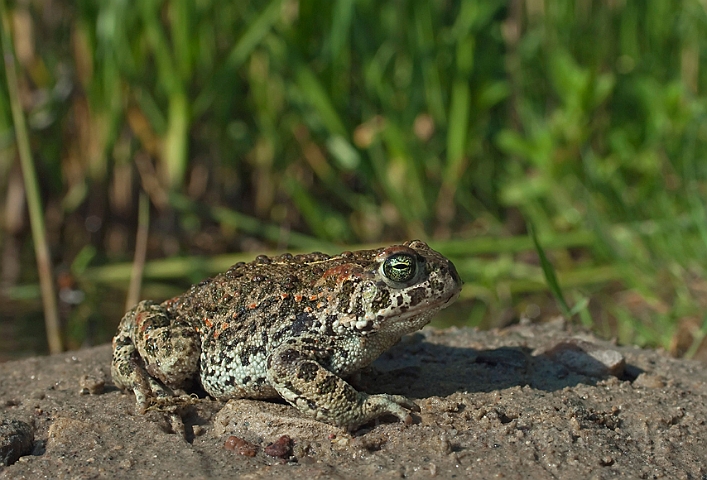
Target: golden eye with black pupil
x: 400, y: 267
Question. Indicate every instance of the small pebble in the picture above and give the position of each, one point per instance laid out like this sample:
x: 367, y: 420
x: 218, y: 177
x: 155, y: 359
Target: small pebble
x: 240, y: 446
x: 587, y: 358
x: 92, y: 384
x: 281, y: 448
x: 646, y: 380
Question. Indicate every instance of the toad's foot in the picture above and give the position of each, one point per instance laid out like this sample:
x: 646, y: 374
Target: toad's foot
x: 377, y: 405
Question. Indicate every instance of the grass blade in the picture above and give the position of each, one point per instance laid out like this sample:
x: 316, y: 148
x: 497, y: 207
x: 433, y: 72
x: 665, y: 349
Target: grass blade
x: 549, y: 273
x: 319, y: 99
x: 251, y: 225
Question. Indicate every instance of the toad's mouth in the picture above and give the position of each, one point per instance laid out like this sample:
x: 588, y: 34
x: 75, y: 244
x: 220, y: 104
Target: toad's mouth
x: 427, y: 307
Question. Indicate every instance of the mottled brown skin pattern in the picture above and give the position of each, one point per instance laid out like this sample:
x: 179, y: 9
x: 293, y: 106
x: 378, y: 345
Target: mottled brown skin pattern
x: 289, y: 326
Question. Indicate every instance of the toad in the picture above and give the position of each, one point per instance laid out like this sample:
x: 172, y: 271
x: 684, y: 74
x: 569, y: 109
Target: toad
x: 293, y: 326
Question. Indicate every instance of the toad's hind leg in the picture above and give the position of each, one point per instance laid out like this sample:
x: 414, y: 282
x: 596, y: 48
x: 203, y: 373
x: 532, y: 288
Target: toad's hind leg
x: 296, y: 370
x: 154, y: 353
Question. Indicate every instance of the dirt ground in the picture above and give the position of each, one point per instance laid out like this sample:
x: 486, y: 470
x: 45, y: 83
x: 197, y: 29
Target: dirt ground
x: 531, y: 401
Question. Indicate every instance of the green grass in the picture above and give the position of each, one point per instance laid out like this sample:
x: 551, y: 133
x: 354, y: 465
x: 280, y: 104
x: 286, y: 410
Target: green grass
x: 285, y: 124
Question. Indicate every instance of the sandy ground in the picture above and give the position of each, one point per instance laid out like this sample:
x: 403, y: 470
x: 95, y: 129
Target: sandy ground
x: 531, y: 402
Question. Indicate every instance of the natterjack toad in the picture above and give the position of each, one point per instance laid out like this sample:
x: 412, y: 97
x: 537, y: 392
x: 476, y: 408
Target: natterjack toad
x: 292, y: 326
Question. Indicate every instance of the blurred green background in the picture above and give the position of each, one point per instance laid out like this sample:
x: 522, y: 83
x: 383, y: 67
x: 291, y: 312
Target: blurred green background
x: 255, y: 126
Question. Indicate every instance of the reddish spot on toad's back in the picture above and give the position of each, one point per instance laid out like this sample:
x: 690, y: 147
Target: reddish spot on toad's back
x: 342, y: 272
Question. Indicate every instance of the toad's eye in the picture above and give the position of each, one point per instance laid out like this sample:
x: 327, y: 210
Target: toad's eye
x: 400, y: 267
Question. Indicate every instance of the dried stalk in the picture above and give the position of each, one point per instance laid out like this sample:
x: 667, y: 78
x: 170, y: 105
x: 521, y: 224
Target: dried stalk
x: 34, y: 204
x: 138, y: 268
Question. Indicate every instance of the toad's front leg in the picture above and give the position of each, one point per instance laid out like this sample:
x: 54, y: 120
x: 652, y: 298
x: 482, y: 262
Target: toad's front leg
x: 153, y: 353
x: 295, y: 370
